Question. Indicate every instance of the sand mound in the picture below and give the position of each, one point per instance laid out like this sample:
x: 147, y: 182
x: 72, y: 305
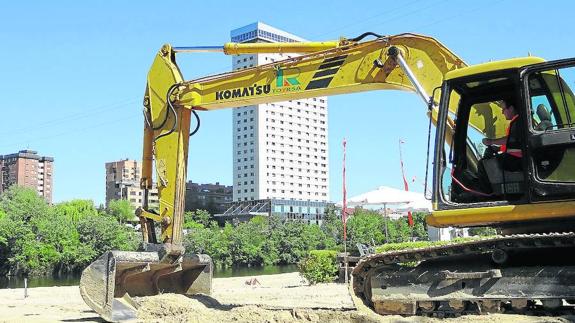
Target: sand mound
x: 179, y: 308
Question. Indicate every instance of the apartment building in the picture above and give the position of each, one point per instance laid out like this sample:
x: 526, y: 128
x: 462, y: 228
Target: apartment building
x: 280, y: 149
x: 123, y: 182
x: 210, y: 197
x: 28, y: 169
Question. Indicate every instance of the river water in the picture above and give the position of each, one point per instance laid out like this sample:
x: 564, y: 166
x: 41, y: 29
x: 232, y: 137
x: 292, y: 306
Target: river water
x: 72, y: 280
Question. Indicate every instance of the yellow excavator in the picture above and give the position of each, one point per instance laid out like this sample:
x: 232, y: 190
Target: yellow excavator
x: 528, y: 196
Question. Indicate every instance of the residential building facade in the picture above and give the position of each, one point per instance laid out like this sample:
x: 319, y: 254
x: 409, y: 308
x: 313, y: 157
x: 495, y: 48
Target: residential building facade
x: 213, y: 198
x: 28, y: 169
x: 280, y: 150
x: 123, y: 182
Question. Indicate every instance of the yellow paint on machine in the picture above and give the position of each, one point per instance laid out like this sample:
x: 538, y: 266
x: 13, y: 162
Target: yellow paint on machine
x: 500, y: 214
x: 493, y: 66
x: 297, y: 47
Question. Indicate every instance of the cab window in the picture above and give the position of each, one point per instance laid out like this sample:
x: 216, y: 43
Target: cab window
x: 552, y: 101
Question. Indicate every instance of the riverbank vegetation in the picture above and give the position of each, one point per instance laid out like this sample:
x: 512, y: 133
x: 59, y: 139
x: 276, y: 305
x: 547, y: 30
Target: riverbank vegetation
x: 269, y: 241
x: 37, y: 238
x: 260, y: 241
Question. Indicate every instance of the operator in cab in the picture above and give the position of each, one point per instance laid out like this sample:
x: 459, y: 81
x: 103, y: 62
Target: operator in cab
x: 510, y: 146
x: 502, y: 154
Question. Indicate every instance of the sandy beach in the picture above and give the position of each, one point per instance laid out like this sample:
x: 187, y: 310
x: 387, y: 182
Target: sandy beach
x: 277, y: 298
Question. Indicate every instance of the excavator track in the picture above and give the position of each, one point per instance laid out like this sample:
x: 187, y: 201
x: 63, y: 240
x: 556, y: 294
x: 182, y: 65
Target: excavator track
x: 531, y: 274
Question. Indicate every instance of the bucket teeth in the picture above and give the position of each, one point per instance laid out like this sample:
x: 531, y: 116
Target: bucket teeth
x: 110, y: 282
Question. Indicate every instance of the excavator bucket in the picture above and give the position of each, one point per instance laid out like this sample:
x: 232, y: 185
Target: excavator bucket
x: 110, y: 282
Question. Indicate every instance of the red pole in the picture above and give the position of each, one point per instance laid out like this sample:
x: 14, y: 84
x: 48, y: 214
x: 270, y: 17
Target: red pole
x: 344, y: 211
x: 405, y: 185
x: 344, y: 219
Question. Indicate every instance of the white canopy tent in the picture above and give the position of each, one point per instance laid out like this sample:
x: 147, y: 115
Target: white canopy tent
x: 383, y: 195
x: 421, y: 205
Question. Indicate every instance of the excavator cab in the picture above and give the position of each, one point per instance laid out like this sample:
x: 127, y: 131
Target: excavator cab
x: 473, y: 175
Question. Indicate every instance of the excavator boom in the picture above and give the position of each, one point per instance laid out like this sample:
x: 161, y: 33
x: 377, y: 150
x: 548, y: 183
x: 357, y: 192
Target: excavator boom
x: 347, y: 68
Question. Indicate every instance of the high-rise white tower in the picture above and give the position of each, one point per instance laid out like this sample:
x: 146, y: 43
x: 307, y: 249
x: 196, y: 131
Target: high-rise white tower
x: 280, y: 149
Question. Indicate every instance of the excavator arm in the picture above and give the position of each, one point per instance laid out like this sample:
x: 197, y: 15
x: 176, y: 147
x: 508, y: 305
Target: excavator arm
x: 348, y: 67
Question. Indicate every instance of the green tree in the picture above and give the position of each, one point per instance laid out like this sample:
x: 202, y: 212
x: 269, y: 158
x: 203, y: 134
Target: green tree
x: 367, y: 227
x: 272, y: 248
x: 13, y: 232
x: 193, y: 218
x: 332, y: 226
x: 121, y: 210
x: 247, y: 242
x: 290, y: 242
x: 260, y: 241
x: 398, y: 230
x: 76, y: 209
x: 22, y: 244
x: 4, y: 231
x: 104, y: 233
x: 213, y: 241
x: 420, y: 226
x: 22, y: 203
x: 296, y: 239
x: 57, y: 234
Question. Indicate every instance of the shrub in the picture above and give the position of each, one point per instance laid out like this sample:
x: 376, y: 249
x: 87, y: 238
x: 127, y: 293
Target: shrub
x: 320, y: 266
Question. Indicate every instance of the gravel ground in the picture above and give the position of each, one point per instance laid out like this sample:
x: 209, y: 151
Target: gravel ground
x: 277, y: 298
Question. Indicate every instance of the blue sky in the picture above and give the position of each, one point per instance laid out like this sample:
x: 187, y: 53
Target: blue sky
x: 73, y: 75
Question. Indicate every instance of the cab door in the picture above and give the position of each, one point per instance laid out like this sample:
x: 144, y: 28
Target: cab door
x: 551, y: 129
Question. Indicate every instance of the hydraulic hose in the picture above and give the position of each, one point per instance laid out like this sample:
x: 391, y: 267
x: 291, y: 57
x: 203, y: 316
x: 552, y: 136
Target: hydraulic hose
x: 171, y: 108
x: 362, y: 36
x: 197, y: 123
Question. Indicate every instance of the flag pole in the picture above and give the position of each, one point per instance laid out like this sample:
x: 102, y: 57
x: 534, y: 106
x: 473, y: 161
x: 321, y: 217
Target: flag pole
x: 344, y: 218
x: 405, y: 185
